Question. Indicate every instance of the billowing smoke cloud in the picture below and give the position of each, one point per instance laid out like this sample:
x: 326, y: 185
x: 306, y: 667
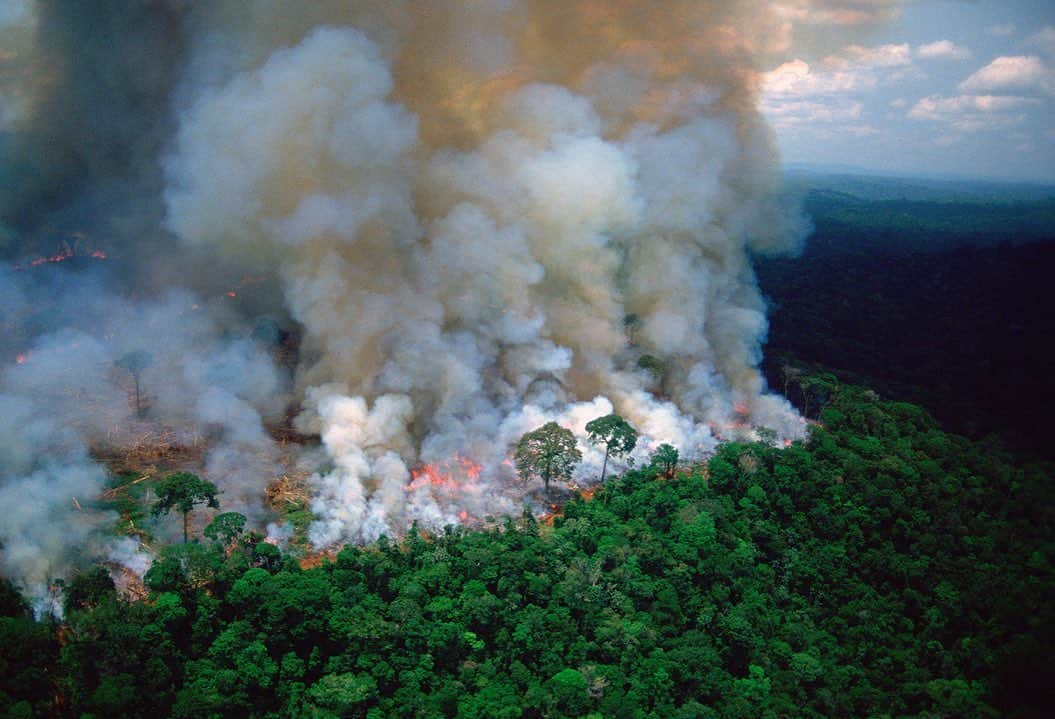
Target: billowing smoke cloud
x: 478, y: 216
x: 467, y: 205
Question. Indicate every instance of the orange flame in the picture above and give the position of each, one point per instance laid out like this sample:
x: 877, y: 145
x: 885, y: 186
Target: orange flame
x: 66, y: 252
x: 449, y: 475
x: 452, y: 478
x: 246, y: 282
x: 61, y: 256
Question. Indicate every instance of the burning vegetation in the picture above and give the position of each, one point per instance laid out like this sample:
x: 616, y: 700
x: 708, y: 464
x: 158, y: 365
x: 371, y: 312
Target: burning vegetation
x: 78, y: 248
x: 356, y: 260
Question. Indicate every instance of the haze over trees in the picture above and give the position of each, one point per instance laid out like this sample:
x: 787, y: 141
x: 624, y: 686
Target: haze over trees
x: 135, y: 362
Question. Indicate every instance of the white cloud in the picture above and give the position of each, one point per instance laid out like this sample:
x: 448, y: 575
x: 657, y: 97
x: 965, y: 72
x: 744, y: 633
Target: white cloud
x: 856, y: 56
x: 853, y: 69
x: 797, y: 79
x: 942, y: 50
x: 807, y: 112
x: 899, y: 104
x: 1011, y: 74
x: 938, y: 108
x: 971, y: 113
x: 798, y: 94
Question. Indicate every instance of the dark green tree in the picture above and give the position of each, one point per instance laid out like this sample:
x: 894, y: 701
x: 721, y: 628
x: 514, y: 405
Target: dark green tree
x: 182, y: 491
x: 548, y: 452
x: 736, y: 591
x: 88, y: 589
x: 267, y: 556
x: 339, y: 695
x: 225, y: 528
x: 568, y: 692
x: 665, y: 459
x: 616, y: 434
x: 135, y: 362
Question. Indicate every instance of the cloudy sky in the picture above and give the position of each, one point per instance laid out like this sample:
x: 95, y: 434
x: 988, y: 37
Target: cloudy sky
x: 941, y: 87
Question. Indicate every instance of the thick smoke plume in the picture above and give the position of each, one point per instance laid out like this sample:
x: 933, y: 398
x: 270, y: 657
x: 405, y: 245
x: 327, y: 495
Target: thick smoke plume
x: 479, y: 217
x: 467, y: 202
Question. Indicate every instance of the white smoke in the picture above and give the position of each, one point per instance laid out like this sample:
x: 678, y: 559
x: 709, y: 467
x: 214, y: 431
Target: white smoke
x: 483, y: 216
x: 69, y: 398
x: 130, y: 554
x: 462, y: 255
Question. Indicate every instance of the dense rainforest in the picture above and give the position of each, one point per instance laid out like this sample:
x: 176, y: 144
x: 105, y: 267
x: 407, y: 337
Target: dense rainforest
x: 944, y: 302
x: 882, y: 568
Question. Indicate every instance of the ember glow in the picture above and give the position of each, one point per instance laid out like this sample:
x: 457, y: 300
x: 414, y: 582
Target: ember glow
x: 452, y: 475
x: 456, y: 482
x: 63, y: 255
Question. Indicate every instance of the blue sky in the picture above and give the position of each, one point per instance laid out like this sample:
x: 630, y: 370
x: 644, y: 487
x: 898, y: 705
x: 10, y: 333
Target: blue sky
x: 940, y: 87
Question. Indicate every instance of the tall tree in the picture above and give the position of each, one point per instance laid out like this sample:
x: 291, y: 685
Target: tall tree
x: 616, y: 434
x: 548, y: 452
x: 135, y: 362
x: 665, y: 458
x: 182, y: 491
x: 225, y: 527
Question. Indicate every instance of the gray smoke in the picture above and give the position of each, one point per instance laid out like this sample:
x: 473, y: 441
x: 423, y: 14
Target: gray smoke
x: 464, y: 202
x: 66, y: 398
x: 478, y: 216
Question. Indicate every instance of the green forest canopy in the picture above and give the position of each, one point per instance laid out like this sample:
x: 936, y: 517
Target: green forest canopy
x: 883, y: 568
